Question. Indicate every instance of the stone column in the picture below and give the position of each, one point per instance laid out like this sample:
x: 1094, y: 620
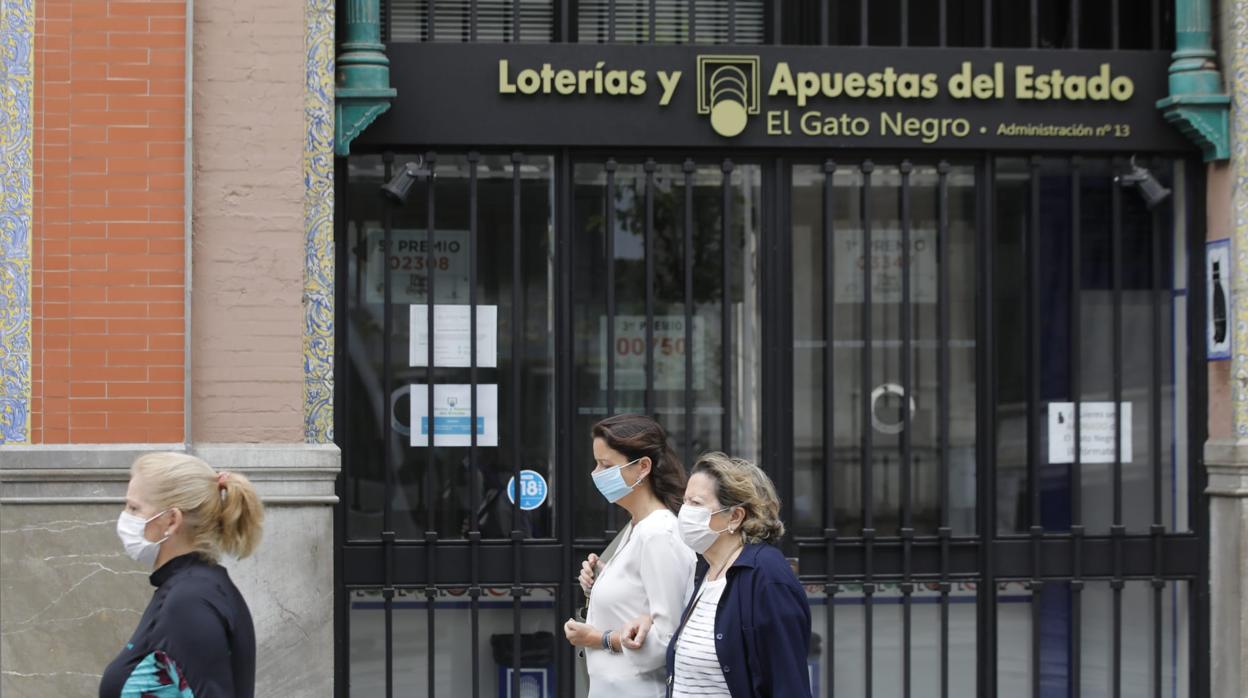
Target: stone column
x: 1226, y: 452
x: 69, y: 597
x: 1227, y: 464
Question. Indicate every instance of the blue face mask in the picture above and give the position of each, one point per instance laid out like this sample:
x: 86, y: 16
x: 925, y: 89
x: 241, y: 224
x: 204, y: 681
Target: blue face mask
x: 611, y: 482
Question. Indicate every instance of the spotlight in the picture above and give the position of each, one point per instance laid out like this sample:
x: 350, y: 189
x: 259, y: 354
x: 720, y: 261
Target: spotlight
x: 400, y: 185
x: 1152, y: 190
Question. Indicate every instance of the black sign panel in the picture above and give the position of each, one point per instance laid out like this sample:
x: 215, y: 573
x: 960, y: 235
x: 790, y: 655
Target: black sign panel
x: 769, y: 96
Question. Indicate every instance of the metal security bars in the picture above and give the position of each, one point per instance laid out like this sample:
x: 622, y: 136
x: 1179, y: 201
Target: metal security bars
x: 1036, y: 219
x: 936, y: 330
x: 1060, y: 24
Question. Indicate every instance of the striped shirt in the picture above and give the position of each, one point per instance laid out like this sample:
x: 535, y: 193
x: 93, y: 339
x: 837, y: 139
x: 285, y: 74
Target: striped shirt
x: 697, y: 664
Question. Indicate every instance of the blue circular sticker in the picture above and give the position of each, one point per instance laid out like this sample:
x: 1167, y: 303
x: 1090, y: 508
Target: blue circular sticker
x: 532, y: 490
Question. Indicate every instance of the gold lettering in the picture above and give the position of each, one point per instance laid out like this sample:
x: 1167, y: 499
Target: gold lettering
x: 637, y: 80
x: 807, y: 87
x: 617, y: 82
x: 775, y: 125
x: 1024, y: 83
x: 960, y: 83
x: 565, y: 82
x: 782, y: 81
x: 668, y: 81
x: 504, y: 84
x: 855, y: 85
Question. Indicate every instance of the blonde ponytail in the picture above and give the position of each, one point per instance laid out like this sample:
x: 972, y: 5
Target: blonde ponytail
x: 221, y: 511
x: 241, y: 515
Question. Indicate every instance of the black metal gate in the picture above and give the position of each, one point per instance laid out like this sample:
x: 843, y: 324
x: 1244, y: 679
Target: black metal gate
x: 832, y: 379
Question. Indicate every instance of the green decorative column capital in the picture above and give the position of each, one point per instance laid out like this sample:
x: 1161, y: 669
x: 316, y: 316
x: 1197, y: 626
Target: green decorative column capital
x: 362, y: 84
x: 1197, y: 105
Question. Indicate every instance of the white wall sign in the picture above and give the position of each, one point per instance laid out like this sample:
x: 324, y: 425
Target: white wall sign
x: 669, y: 352
x: 1218, y: 300
x: 452, y: 347
x: 886, y: 266
x: 408, y: 276
x: 1096, y: 432
x: 452, y: 415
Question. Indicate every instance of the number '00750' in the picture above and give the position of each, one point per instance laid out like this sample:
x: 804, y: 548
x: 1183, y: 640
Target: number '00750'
x: 666, y: 346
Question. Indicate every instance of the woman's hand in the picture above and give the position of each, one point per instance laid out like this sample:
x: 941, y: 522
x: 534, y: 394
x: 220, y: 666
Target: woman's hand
x: 588, y: 570
x: 582, y: 634
x: 634, y: 634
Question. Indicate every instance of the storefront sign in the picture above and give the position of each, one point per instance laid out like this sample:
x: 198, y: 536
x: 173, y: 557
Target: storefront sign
x: 785, y: 96
x: 1097, y: 431
x: 452, y: 331
x: 452, y: 415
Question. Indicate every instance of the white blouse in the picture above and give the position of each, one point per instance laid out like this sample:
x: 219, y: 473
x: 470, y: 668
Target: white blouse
x: 651, y: 573
x: 697, y: 661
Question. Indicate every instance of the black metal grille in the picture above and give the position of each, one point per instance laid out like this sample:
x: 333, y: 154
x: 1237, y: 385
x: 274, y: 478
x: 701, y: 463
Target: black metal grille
x: 1041, y: 24
x: 1012, y: 269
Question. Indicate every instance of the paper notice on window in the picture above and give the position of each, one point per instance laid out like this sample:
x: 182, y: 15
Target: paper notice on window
x: 452, y: 329
x: 1097, y: 430
x: 452, y: 415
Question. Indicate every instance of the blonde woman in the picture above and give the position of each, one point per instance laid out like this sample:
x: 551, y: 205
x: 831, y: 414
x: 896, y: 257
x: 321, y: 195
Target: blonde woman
x: 196, y: 639
x: 746, y: 631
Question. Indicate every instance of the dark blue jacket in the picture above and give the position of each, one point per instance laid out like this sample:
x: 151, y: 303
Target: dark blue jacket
x: 762, y: 627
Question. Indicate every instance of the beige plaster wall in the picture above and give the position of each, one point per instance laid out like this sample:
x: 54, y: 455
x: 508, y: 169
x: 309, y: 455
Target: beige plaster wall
x: 248, y: 251
x: 1218, y: 226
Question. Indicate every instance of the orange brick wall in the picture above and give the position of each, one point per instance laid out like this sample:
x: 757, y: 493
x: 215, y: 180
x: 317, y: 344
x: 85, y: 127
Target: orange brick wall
x: 108, y: 267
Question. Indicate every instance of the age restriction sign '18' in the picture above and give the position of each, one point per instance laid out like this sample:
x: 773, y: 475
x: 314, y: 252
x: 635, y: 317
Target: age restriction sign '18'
x: 532, y: 490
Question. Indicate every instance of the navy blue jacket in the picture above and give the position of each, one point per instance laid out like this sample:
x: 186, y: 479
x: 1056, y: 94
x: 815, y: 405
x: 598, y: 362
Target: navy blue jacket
x: 762, y: 627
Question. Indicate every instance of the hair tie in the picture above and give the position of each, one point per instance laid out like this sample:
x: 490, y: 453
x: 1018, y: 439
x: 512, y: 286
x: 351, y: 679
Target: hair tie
x: 221, y: 478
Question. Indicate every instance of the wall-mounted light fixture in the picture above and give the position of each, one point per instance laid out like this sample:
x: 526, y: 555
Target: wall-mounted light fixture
x: 1150, y: 189
x: 400, y: 185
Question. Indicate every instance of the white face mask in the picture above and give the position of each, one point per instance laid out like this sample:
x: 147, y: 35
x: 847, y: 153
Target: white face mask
x: 695, y: 527
x: 130, y: 529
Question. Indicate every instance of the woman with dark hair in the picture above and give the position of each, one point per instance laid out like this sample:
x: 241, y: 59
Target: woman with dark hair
x: 646, y: 571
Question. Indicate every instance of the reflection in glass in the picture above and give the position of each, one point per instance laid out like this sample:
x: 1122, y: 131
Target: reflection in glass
x: 627, y: 355
x: 888, y: 395
x: 887, y: 644
x: 449, y: 486
x: 1094, y: 350
x: 452, y: 651
x: 1096, y: 627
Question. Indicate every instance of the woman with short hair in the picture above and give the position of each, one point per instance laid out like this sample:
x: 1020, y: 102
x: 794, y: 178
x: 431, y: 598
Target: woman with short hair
x: 646, y: 571
x: 196, y: 638
x: 746, y: 631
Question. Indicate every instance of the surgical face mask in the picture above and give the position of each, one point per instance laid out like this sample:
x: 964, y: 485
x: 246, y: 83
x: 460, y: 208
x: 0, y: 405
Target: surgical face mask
x: 130, y: 530
x: 611, y: 483
x: 695, y: 527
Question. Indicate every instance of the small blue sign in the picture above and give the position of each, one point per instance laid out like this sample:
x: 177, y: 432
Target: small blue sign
x: 452, y: 426
x: 532, y: 490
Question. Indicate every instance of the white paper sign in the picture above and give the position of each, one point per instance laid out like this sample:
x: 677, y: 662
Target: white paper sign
x: 1218, y: 298
x: 452, y: 327
x: 452, y: 415
x: 1097, y: 429
x: 886, y: 266
x: 409, y: 278
x: 669, y: 352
